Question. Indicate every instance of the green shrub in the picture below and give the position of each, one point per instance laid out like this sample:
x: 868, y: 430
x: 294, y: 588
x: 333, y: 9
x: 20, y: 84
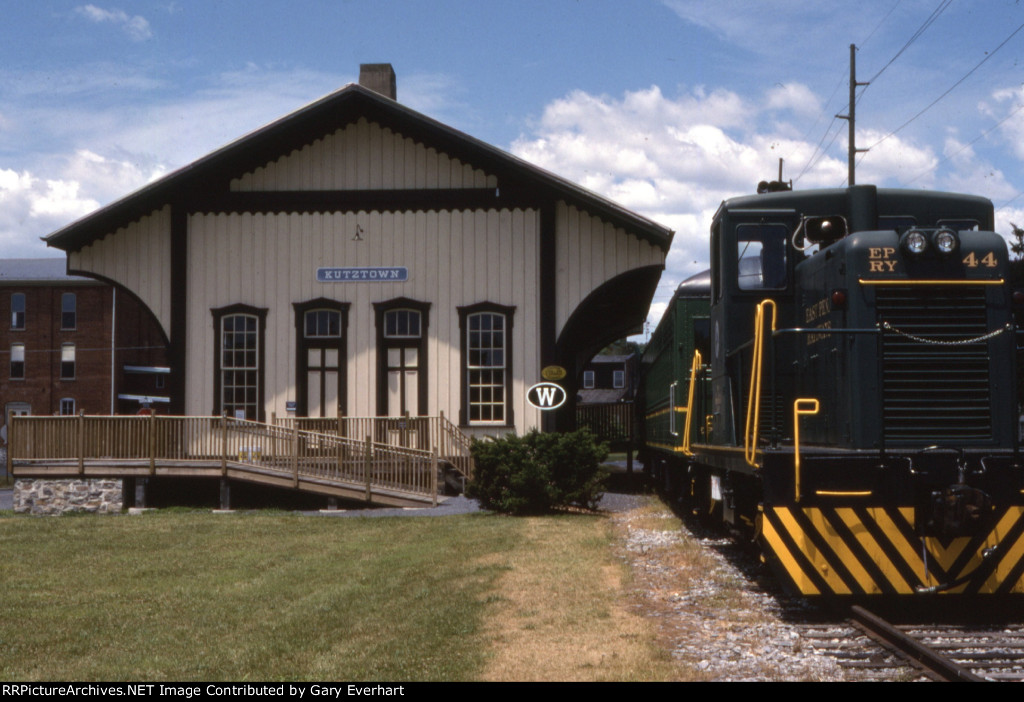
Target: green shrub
x: 536, y: 473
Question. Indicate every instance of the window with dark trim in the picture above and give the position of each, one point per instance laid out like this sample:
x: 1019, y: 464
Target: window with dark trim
x: 17, y: 311
x: 17, y: 361
x: 485, y: 331
x: 320, y: 358
x: 402, y: 326
x: 68, y: 311
x: 239, y: 361
x: 67, y: 362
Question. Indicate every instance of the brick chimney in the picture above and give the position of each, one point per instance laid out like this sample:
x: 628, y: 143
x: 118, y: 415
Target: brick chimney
x: 378, y: 77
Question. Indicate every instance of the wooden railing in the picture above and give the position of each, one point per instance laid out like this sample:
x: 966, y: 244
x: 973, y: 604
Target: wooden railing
x: 611, y: 422
x: 424, y: 433
x: 166, y: 441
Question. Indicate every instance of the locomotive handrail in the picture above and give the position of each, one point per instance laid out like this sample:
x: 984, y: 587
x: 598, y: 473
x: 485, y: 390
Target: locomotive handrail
x: 754, y: 397
x: 694, y: 368
x: 811, y: 407
x: 672, y: 409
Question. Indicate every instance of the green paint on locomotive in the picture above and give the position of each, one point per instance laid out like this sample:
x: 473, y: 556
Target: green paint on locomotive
x: 891, y: 314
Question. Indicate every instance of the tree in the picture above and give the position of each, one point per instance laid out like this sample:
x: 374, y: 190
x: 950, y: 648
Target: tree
x: 1017, y: 261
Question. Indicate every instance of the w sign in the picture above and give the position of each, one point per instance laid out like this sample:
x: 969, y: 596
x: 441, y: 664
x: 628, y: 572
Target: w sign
x: 546, y: 396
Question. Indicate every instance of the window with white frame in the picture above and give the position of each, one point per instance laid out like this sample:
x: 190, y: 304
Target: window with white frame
x: 68, y: 311
x: 320, y: 348
x: 402, y: 324
x: 323, y: 324
x: 67, y: 362
x: 618, y: 379
x: 486, y: 330
x: 67, y: 406
x: 486, y: 351
x: 239, y: 365
x: 18, y: 361
x: 588, y: 379
x: 17, y: 310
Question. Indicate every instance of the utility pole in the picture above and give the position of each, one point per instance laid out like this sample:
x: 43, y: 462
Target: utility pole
x: 852, y: 151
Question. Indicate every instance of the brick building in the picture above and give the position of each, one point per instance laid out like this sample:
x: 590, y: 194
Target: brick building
x: 75, y: 344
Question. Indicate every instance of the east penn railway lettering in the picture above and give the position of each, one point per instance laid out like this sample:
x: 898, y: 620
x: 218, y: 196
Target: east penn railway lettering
x: 814, y: 312
x: 817, y: 310
x: 880, y: 259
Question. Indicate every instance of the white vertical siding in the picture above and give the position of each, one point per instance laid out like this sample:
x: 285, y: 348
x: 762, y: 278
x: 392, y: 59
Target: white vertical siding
x: 454, y: 259
x: 589, y: 252
x: 360, y: 156
x: 137, y: 256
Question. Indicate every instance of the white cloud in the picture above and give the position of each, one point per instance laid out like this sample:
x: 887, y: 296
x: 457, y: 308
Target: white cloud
x: 137, y: 27
x: 32, y: 206
x: 29, y: 205
x: 671, y: 159
x: 675, y: 159
x: 793, y: 97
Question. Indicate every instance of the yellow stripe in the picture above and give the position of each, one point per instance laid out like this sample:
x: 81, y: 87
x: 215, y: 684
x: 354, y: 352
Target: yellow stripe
x: 660, y: 445
x: 904, y: 281
x: 944, y: 556
x: 874, y: 551
x: 811, y: 552
x: 828, y: 532
x: 892, y: 532
x: 843, y: 493
x: 1011, y: 557
x: 796, y: 573
x: 908, y: 514
x: 660, y: 412
x: 709, y: 448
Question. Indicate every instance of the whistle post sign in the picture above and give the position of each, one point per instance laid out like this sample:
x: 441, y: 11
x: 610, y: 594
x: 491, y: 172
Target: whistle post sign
x: 546, y: 396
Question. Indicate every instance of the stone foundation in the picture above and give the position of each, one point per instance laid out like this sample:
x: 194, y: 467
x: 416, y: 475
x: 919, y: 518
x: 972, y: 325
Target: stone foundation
x: 58, y: 496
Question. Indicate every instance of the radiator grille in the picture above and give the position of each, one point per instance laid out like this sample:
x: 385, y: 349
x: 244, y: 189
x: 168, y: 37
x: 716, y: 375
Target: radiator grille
x: 935, y: 392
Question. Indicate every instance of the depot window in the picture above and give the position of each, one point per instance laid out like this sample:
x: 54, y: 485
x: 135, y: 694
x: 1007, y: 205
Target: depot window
x: 486, y: 330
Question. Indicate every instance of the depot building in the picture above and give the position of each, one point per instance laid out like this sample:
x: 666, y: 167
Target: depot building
x: 358, y: 258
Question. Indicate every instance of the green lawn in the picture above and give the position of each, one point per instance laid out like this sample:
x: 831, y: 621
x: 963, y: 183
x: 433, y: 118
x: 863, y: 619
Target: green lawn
x: 248, y: 596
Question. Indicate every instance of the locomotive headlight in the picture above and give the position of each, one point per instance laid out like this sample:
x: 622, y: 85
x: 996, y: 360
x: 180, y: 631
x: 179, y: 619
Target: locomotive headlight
x: 915, y: 242
x: 946, y: 241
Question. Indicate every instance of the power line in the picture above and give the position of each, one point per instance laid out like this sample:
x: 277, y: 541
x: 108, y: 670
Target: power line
x: 815, y: 157
x: 950, y: 89
x: 914, y: 37
x: 975, y: 139
x: 880, y: 23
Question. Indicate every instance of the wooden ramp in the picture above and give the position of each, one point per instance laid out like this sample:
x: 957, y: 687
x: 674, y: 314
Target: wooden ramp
x: 220, y: 447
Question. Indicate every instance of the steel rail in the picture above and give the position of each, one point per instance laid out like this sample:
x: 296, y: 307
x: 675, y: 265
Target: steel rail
x: 926, y: 657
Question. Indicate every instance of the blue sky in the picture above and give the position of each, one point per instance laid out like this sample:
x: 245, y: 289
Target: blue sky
x: 665, y: 106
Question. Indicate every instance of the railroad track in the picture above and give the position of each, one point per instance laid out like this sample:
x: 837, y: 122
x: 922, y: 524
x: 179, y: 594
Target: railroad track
x: 869, y: 648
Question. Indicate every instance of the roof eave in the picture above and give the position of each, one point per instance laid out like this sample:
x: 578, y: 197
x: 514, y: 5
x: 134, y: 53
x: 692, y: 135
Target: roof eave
x: 264, y: 143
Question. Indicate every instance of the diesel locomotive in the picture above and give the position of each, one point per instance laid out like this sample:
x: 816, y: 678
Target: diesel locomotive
x: 841, y: 387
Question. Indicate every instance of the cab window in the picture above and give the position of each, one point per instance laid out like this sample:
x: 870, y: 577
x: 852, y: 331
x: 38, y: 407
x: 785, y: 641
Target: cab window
x: 761, y: 256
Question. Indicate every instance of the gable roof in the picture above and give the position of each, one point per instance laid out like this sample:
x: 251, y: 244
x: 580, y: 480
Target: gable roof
x: 326, y: 115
